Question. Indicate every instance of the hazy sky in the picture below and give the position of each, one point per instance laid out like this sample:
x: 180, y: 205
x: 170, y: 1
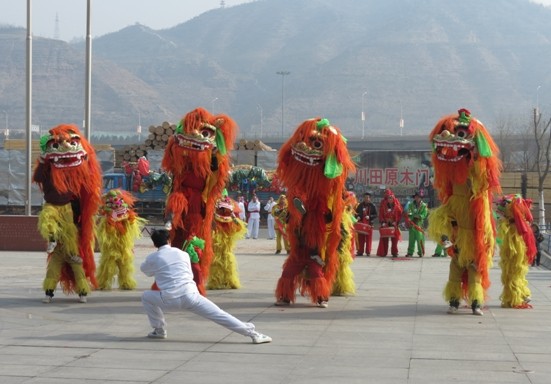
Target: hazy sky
x: 108, y: 15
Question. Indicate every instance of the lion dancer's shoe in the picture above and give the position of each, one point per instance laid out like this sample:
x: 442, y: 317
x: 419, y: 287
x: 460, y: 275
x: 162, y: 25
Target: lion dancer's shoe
x: 48, y: 297
x: 476, y: 308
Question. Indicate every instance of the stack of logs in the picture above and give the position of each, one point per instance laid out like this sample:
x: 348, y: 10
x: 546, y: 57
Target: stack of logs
x: 158, y: 137
x: 255, y: 145
x: 156, y: 140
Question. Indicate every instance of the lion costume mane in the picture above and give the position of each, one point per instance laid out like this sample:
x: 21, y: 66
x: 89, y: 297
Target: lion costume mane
x: 517, y: 249
x: 69, y: 175
x: 228, y: 228
x: 466, y: 175
x: 118, y: 227
x: 313, y: 166
x: 197, y: 157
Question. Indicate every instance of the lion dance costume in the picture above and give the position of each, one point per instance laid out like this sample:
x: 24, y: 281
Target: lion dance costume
x: 197, y: 157
x: 313, y: 165
x: 344, y: 281
x: 466, y: 174
x: 517, y: 249
x: 280, y: 212
x: 227, y: 230
x: 118, y: 227
x: 69, y: 175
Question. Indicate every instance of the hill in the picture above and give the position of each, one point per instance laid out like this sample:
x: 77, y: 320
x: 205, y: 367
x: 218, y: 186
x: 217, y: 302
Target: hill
x: 416, y: 59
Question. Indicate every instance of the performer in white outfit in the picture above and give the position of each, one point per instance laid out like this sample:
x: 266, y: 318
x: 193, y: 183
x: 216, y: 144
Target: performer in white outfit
x: 271, y: 222
x: 241, y: 205
x: 254, y: 218
x: 171, y: 268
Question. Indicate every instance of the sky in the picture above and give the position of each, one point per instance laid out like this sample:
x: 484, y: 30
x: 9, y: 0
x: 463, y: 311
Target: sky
x: 106, y: 15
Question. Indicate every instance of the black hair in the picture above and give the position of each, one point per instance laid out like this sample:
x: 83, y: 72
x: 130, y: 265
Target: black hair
x: 160, y: 237
x: 367, y: 194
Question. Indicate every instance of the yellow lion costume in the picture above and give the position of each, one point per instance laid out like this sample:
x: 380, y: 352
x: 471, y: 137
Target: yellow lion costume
x: 313, y: 165
x: 517, y: 249
x: 227, y: 230
x: 69, y: 175
x: 197, y: 156
x: 466, y: 174
x: 118, y: 227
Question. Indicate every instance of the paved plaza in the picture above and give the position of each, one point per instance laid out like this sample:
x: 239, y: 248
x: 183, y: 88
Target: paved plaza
x: 394, y: 330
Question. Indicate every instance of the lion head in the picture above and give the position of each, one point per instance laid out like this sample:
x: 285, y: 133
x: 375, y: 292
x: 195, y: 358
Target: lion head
x: 462, y: 148
x: 200, y: 143
x: 71, y: 160
x: 117, y: 205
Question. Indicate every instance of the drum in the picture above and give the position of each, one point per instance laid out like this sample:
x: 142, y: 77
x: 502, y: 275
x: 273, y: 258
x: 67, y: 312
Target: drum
x: 363, y: 228
x: 387, y: 231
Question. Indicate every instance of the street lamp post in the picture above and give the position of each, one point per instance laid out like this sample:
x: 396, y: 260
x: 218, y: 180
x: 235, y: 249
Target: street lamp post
x: 363, y: 114
x: 283, y: 74
x: 212, y: 104
x: 401, y: 119
x: 7, y: 131
x: 139, y: 127
x: 261, y: 119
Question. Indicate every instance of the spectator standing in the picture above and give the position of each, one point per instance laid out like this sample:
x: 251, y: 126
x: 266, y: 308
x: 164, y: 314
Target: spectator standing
x: 539, y: 239
x: 242, y: 211
x: 270, y: 220
x: 254, y: 218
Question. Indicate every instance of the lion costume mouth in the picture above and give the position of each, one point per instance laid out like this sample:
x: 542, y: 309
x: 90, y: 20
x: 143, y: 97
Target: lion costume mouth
x: 66, y: 160
x: 451, y: 148
x: 195, y: 143
x: 119, y: 214
x: 306, y: 155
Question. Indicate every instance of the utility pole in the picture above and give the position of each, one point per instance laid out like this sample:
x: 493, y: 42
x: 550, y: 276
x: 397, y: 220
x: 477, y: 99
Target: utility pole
x: 283, y: 74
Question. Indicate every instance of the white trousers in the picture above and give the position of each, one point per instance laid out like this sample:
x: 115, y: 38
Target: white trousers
x: 154, y: 305
x: 271, y: 227
x: 252, y: 228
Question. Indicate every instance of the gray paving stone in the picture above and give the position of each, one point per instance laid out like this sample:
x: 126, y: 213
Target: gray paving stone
x: 394, y: 330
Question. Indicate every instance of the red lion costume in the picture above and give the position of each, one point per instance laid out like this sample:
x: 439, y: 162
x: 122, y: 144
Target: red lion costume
x: 197, y: 157
x: 313, y: 165
x: 69, y: 175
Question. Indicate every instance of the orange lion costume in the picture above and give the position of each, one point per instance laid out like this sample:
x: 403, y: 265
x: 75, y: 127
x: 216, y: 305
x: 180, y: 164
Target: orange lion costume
x: 197, y: 157
x: 313, y: 165
x: 466, y: 175
x: 69, y: 175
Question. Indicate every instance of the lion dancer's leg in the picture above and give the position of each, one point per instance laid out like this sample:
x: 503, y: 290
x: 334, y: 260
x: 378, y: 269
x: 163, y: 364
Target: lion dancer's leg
x: 184, y: 218
x: 126, y: 270
x: 476, y: 291
x: 56, y: 222
x: 453, y: 291
x: 382, y: 249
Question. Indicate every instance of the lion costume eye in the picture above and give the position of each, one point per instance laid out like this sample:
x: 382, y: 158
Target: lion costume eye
x: 316, y: 143
x: 461, y: 132
x: 208, y: 132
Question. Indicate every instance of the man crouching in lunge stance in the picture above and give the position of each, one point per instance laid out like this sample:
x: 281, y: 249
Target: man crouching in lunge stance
x: 171, y: 268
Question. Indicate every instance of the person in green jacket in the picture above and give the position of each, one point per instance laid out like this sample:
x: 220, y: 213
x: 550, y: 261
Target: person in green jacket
x: 416, y: 214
